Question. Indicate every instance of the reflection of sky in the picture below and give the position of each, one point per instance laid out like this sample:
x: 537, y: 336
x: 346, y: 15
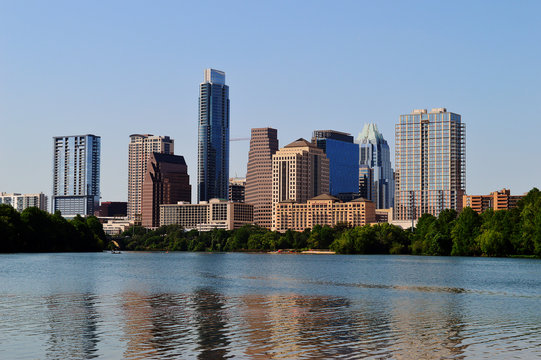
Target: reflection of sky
x: 157, y: 305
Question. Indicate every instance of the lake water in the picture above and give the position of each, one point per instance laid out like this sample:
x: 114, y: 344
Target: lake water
x: 212, y: 306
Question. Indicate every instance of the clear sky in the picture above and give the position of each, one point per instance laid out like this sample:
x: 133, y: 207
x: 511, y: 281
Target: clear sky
x: 114, y: 68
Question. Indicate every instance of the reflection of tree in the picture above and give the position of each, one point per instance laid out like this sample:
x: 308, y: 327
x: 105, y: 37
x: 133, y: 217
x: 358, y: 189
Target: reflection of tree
x: 72, y: 321
x: 211, y: 324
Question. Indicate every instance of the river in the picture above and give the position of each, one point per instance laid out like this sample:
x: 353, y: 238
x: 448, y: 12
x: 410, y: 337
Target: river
x: 138, y: 305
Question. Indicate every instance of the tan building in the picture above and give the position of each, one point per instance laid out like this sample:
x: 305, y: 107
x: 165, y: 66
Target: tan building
x: 300, y: 171
x: 323, y: 210
x: 497, y: 200
x: 263, y: 145
x: 214, y: 214
x: 140, y: 148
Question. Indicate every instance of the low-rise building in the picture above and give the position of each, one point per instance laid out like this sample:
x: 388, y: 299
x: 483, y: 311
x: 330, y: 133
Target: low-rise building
x: 323, y: 210
x: 207, y: 215
x: 115, y: 225
x: 23, y: 201
x: 497, y: 200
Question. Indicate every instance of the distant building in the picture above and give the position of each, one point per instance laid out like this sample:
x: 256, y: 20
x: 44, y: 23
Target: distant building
x: 323, y: 210
x: 140, y: 149
x: 300, y: 172
x: 213, y: 138
x: 378, y: 182
x: 166, y: 182
x: 343, y: 155
x: 263, y: 145
x: 23, y: 201
x: 214, y: 214
x: 76, y: 174
x: 384, y: 215
x: 115, y: 226
x: 430, y: 163
x: 237, y: 189
x: 112, y: 209
x: 497, y: 200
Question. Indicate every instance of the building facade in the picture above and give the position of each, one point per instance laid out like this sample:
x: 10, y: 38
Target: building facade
x: 430, y: 163
x: 112, y: 209
x: 213, y: 137
x: 343, y: 155
x: 76, y: 174
x: 23, y: 201
x: 166, y: 182
x: 207, y: 215
x: 374, y: 153
x: 237, y: 189
x: 323, y: 210
x: 263, y: 145
x: 300, y: 171
x: 497, y: 200
x: 140, y: 149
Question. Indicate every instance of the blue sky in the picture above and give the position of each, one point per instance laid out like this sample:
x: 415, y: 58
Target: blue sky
x: 114, y: 68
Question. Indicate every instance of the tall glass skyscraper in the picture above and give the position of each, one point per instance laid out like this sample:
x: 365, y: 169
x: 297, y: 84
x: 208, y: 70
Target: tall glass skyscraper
x: 374, y: 153
x: 213, y: 137
x: 430, y: 163
x: 343, y: 155
x: 76, y: 174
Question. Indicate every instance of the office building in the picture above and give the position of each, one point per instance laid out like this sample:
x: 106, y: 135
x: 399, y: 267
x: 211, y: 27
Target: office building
x: 23, y: 201
x: 263, y: 145
x: 323, y: 210
x: 112, y: 209
x: 430, y: 163
x: 166, y: 182
x: 76, y: 174
x: 374, y: 153
x: 207, y: 215
x: 213, y: 137
x: 343, y: 155
x: 497, y: 200
x: 140, y: 149
x: 237, y: 189
x: 300, y: 171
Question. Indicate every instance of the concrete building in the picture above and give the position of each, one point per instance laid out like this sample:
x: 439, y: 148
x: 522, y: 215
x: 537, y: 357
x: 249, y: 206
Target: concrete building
x: 76, y: 174
x: 374, y: 153
x: 23, y: 201
x: 323, y: 210
x: 207, y: 215
x: 213, y: 138
x: 112, y: 209
x: 366, y: 182
x: 343, y: 155
x: 430, y: 163
x: 497, y: 200
x: 166, y: 182
x: 237, y: 189
x: 300, y: 171
x: 140, y: 149
x: 263, y: 145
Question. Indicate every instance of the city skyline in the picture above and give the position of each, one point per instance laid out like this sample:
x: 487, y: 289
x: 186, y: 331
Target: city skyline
x: 118, y: 83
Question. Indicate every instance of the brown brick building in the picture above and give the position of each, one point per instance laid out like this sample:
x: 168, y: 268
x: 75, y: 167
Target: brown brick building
x: 497, y: 200
x: 166, y: 182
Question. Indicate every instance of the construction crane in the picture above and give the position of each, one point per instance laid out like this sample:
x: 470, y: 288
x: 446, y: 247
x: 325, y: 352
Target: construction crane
x: 239, y: 139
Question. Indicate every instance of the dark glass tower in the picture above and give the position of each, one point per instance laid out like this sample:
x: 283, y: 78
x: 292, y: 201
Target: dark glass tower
x: 213, y: 144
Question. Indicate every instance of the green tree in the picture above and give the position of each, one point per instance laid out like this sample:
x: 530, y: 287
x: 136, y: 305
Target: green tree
x: 465, y: 232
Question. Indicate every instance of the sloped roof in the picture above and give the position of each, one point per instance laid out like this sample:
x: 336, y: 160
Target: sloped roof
x: 361, y: 199
x: 169, y: 158
x: 300, y: 143
x: 325, y: 197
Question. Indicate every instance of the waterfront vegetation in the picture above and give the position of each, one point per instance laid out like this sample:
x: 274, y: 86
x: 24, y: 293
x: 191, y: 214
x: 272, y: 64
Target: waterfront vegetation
x: 35, y: 230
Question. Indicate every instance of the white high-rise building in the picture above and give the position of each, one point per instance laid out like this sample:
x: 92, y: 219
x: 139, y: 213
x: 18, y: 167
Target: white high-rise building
x: 23, y: 201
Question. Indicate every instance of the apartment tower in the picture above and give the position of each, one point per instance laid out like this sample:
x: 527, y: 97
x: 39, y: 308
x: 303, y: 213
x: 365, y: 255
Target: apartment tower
x: 430, y: 163
x: 140, y: 149
x: 166, y: 182
x: 76, y: 174
x: 213, y: 137
x: 300, y: 171
x: 263, y: 145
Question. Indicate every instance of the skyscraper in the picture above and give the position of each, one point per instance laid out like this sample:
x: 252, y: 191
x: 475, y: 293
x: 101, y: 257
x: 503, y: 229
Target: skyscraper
x: 300, y: 171
x: 375, y: 154
x: 213, y: 138
x: 140, y: 149
x: 430, y: 163
x: 343, y: 155
x: 263, y: 144
x: 76, y: 174
x: 166, y: 182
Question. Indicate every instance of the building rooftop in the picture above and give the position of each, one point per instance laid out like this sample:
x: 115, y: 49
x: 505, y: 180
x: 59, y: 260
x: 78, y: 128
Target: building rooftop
x: 300, y: 143
x: 325, y: 197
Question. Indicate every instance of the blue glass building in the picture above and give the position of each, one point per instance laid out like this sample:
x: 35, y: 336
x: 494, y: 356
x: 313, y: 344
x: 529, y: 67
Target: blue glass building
x: 76, y: 174
x: 375, y: 154
x: 213, y: 137
x: 343, y: 155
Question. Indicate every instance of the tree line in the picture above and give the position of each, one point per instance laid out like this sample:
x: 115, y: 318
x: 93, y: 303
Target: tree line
x: 515, y: 232
x: 35, y: 230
